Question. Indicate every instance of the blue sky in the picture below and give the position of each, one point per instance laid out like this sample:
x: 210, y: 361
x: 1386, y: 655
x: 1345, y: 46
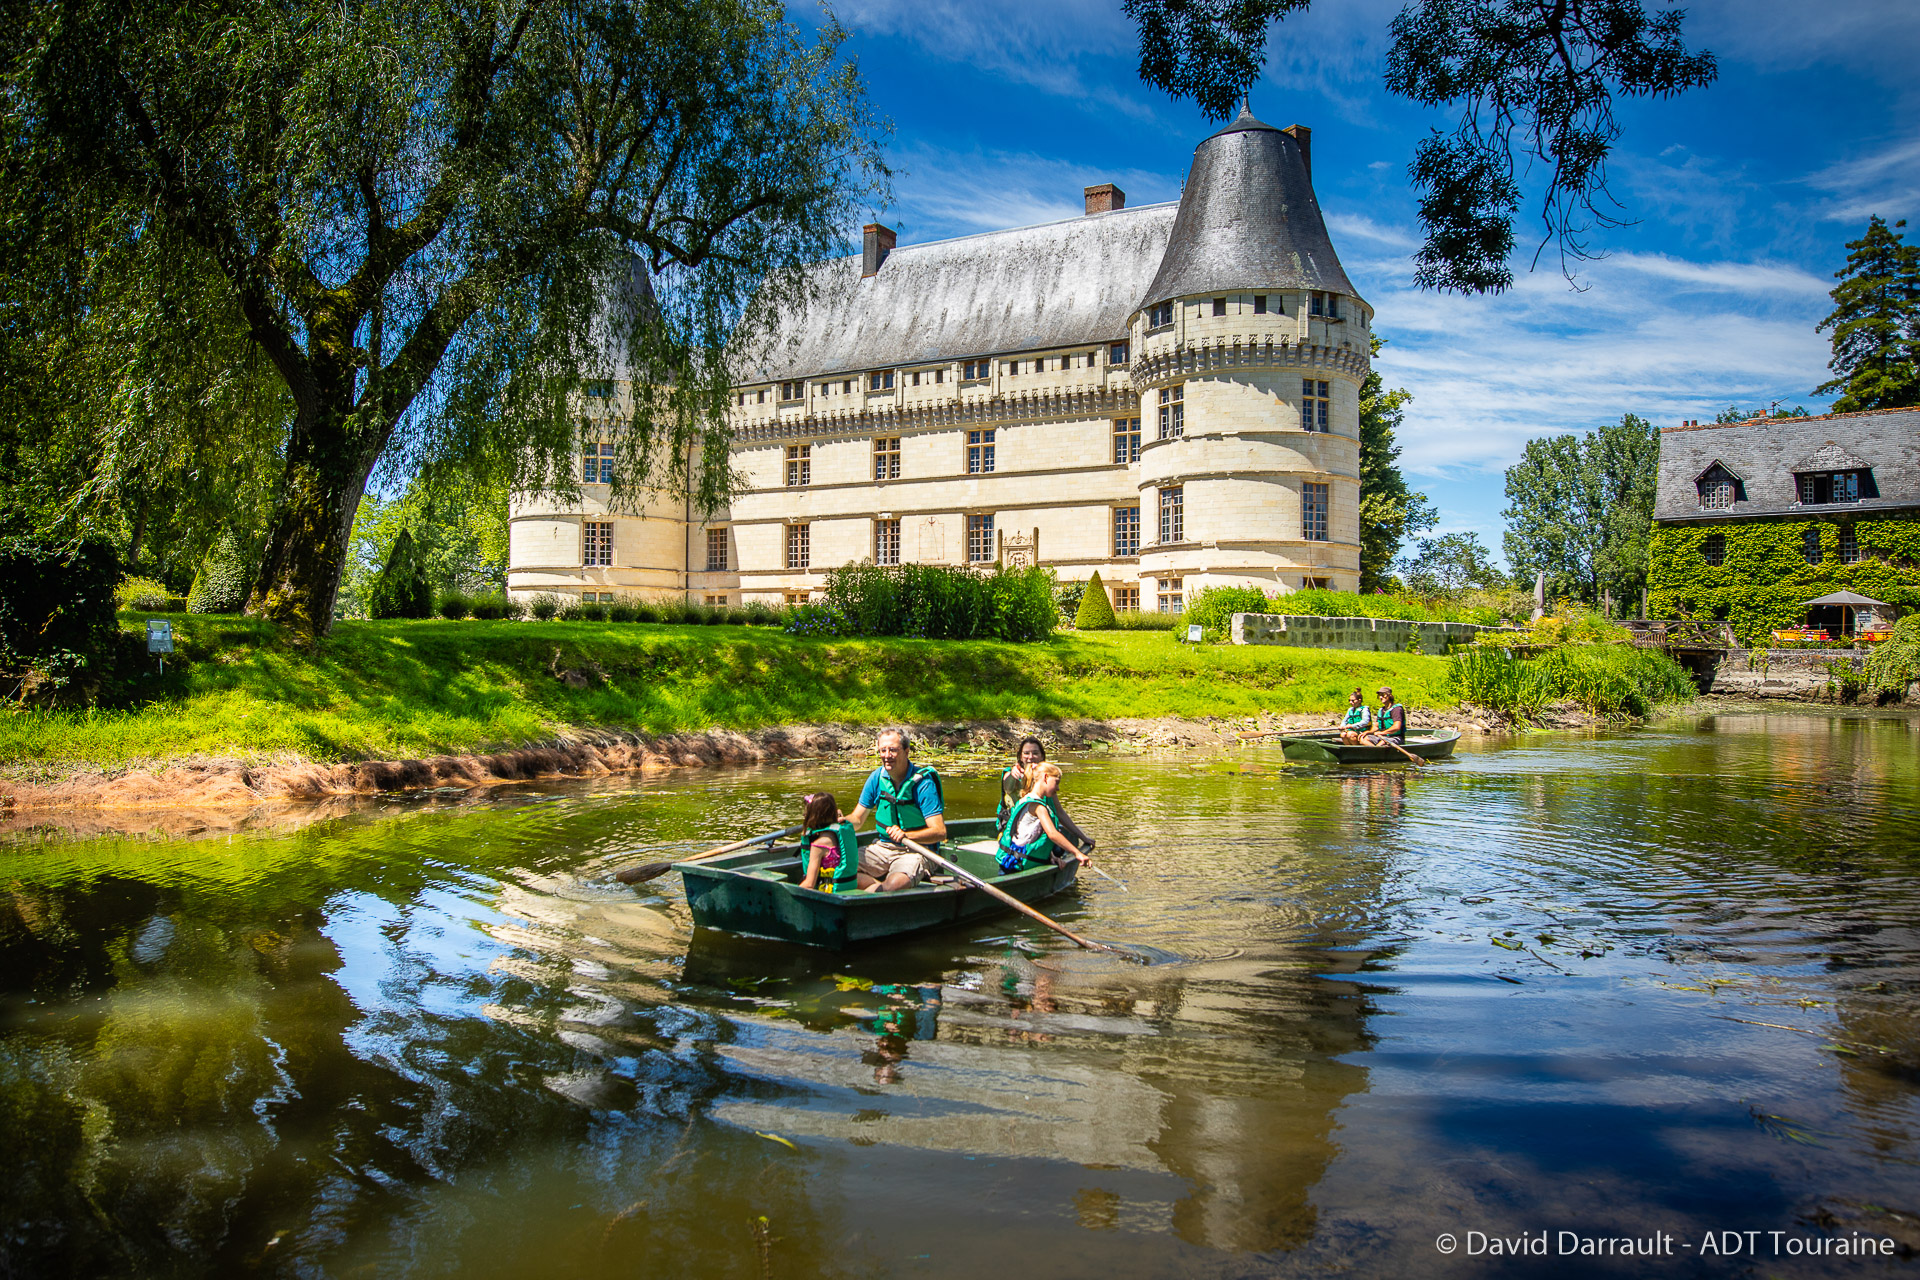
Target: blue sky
x: 1745, y: 194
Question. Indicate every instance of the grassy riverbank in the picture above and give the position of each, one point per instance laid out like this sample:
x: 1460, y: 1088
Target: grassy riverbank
x: 385, y: 690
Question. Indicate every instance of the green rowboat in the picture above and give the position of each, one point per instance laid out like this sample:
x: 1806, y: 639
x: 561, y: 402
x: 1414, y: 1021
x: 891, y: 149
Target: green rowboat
x: 1328, y: 749
x: 758, y: 892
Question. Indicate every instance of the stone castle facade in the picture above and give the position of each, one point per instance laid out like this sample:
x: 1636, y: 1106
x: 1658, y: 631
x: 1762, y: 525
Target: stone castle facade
x: 1167, y: 394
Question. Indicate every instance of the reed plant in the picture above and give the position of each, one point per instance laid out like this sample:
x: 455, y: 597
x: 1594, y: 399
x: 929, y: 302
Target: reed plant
x: 1604, y: 679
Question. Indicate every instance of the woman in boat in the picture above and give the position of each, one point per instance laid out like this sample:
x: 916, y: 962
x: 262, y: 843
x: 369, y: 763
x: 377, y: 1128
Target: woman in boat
x: 1033, y: 828
x: 1358, y: 718
x: 1013, y: 785
x: 833, y: 853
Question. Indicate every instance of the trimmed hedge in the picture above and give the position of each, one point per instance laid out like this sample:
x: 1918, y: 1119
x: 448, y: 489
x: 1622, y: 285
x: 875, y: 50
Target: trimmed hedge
x: 937, y: 602
x: 1096, y: 610
x: 402, y: 589
x: 225, y: 578
x: 1764, y: 581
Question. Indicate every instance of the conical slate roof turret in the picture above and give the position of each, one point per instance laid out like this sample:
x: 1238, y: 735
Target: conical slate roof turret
x: 1248, y: 220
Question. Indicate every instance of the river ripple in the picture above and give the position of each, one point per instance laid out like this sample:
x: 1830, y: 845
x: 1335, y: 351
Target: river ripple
x: 1523, y: 991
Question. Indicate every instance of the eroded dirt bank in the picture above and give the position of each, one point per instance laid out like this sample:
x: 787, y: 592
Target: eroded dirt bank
x: 190, y: 793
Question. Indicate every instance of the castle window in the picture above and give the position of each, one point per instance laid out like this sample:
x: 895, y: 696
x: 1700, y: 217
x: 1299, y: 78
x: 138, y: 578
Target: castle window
x: 972, y: 369
x: 1126, y: 439
x: 1173, y: 411
x: 916, y: 378
x: 799, y: 465
x: 1126, y: 531
x: 1849, y: 545
x: 846, y: 387
x: 1117, y: 353
x: 886, y: 542
x: 880, y: 381
x: 1172, y: 516
x: 1319, y: 305
x: 760, y: 396
x: 596, y: 463
x: 1160, y: 315
x: 1173, y: 597
x: 1219, y: 306
x: 979, y: 539
x: 1821, y: 487
x: 596, y: 542
x: 716, y: 601
x: 796, y: 597
x: 1126, y: 599
x: 1810, y: 544
x: 979, y: 452
x: 600, y: 390
x: 799, y: 546
x: 1717, y: 492
x: 1313, y: 512
x: 1313, y: 405
x: 939, y: 375
x: 716, y: 551
x: 790, y: 391
x: 1259, y: 304
x: 1714, y: 549
x: 886, y: 457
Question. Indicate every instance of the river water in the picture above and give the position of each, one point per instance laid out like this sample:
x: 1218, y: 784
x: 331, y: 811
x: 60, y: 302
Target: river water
x: 1523, y: 992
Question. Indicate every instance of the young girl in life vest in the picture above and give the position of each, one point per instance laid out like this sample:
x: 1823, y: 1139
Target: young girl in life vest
x: 1033, y: 828
x: 833, y: 854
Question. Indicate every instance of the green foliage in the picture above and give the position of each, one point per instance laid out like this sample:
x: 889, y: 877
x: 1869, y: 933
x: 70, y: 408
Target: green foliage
x: 224, y: 580
x: 543, y: 607
x: 1450, y: 564
x: 1146, y: 620
x: 495, y: 606
x: 1876, y: 323
x: 56, y: 600
x: 402, y: 589
x: 1605, y: 679
x: 143, y: 595
x: 455, y: 605
x: 1531, y: 85
x: 458, y: 524
x: 1894, y: 663
x: 937, y: 602
x: 1581, y: 507
x: 1214, y: 607
x: 1390, y: 512
x: 1095, y: 611
x: 1764, y: 581
x: 1732, y: 414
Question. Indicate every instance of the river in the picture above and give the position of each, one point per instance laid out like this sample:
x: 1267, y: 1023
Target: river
x: 1560, y: 991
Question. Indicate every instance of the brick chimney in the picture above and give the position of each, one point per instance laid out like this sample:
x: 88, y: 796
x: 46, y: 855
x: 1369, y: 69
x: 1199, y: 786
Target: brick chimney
x: 1304, y: 136
x: 1105, y: 198
x: 876, y: 242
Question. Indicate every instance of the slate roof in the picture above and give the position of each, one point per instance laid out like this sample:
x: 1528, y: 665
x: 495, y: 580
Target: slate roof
x: 1060, y: 284
x: 1765, y: 453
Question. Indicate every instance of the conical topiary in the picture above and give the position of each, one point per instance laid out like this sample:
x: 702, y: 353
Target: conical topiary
x: 1096, y: 611
x: 402, y: 590
x: 224, y: 580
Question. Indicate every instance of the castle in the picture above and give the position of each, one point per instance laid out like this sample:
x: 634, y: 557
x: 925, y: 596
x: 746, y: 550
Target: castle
x: 1167, y: 394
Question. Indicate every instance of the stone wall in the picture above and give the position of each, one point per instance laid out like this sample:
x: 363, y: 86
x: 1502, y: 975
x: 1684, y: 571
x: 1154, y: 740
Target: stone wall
x: 1800, y: 674
x: 1371, y: 635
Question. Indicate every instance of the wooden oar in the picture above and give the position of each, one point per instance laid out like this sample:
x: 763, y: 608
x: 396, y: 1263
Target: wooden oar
x: 649, y: 870
x: 1010, y: 900
x: 1290, y: 733
x: 1408, y: 754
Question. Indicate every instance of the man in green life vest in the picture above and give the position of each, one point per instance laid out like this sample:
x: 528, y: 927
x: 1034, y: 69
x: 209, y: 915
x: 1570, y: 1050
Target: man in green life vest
x: 1390, y: 722
x: 905, y: 802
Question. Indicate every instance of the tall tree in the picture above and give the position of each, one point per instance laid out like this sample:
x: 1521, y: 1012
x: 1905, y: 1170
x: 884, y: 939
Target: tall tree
x: 1581, y: 508
x: 1390, y: 512
x: 1876, y: 323
x: 1451, y: 562
x: 1533, y: 82
x: 430, y: 221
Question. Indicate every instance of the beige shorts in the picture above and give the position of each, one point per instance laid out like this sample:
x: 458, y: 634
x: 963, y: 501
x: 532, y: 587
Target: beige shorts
x: 883, y: 858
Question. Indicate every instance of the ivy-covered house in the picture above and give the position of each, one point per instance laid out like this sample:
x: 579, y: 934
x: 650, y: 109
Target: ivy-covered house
x: 1753, y: 519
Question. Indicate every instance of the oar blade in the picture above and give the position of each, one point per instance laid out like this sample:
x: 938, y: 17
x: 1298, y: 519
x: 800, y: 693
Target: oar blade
x: 644, y: 872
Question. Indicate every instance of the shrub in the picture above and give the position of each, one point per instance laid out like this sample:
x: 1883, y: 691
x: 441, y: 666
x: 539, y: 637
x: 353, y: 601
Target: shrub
x: 761, y: 614
x: 1095, y: 612
x: 588, y: 611
x: 56, y: 603
x: 738, y: 617
x: 621, y: 610
x: 544, y: 607
x: 401, y: 590
x: 1136, y: 620
x: 644, y: 611
x: 1895, y: 662
x: 1606, y: 679
x: 143, y: 595
x: 1214, y: 607
x: 712, y: 616
x: 942, y: 602
x: 455, y: 605
x: 1067, y: 597
x: 816, y: 620
x: 493, y: 606
x: 225, y: 579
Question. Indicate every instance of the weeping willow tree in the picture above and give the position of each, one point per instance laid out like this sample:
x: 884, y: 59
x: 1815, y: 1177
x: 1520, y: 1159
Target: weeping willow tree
x: 365, y: 239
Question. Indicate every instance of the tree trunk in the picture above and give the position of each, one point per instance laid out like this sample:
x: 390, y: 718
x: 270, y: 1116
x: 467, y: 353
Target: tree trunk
x: 328, y: 460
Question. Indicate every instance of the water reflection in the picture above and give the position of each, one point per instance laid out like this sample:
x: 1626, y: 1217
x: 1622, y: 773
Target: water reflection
x: 1560, y: 981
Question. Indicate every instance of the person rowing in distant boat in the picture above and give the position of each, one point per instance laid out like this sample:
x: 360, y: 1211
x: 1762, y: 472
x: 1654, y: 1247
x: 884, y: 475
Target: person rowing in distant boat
x: 1013, y: 785
x: 1033, y: 836
x: 1358, y: 719
x: 1389, y: 722
x: 905, y: 802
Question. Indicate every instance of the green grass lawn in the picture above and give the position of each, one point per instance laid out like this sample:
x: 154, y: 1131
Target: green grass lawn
x: 377, y: 690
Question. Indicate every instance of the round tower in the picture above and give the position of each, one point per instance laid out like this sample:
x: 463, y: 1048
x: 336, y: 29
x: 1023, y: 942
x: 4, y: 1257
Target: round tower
x: 1248, y: 353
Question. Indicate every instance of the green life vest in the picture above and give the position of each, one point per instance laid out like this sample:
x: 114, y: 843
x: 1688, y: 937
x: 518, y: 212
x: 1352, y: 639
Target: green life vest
x: 844, y: 875
x: 1356, y: 718
x: 1004, y: 809
x: 1013, y: 856
x: 1385, y: 721
x: 900, y: 807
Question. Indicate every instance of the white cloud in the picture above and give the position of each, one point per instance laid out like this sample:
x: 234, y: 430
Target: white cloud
x: 944, y: 191
x: 1886, y: 182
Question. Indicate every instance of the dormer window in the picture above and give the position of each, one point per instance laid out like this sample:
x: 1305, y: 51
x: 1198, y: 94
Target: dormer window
x: 1821, y: 487
x: 1157, y: 316
x: 1719, y: 488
